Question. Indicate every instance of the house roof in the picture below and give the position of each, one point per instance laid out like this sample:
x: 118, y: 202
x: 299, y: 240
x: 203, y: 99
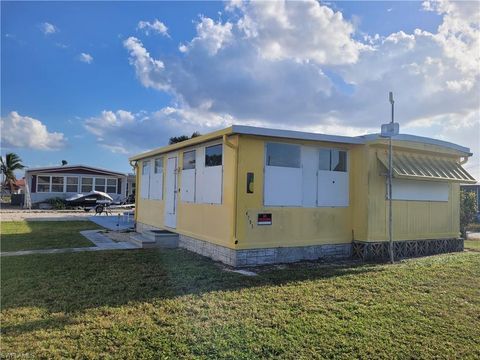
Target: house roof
x: 420, y: 139
x: 73, y: 168
x: 298, y: 135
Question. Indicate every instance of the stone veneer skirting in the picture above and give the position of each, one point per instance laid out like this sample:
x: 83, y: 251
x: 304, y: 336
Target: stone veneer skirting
x: 255, y: 257
x: 379, y: 251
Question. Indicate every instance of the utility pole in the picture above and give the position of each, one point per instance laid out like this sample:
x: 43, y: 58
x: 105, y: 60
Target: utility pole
x: 389, y: 130
x: 390, y: 213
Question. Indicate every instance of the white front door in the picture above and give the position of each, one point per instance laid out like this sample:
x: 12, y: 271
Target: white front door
x: 171, y: 193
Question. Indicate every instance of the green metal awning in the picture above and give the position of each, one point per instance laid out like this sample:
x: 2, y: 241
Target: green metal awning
x: 426, y: 168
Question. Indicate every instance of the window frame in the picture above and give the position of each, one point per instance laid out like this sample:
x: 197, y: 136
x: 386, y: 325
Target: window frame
x: 49, y: 183
x: 207, y: 165
x: 104, y: 183
x: 266, y: 160
x: 111, y: 186
x: 52, y: 184
x: 82, y: 184
x: 160, y: 160
x: 194, y: 151
x: 76, y: 184
x: 145, y: 165
x: 331, y: 150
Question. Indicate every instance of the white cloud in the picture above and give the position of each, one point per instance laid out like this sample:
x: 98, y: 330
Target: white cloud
x: 307, y: 31
x: 125, y: 132
x: 48, y: 28
x: 86, y: 58
x: 211, y: 35
x: 155, y: 26
x: 25, y: 132
x: 150, y: 72
x: 297, y: 65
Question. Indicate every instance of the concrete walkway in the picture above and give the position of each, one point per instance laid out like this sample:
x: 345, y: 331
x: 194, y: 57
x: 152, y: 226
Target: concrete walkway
x: 113, y: 222
x: 473, y: 235
x: 101, y: 243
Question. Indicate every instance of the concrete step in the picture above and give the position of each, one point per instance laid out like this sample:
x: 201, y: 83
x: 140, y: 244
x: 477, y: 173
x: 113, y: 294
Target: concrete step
x: 150, y: 239
x: 141, y: 241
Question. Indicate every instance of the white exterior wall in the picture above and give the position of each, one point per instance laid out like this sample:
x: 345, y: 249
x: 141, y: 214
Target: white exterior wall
x: 37, y: 197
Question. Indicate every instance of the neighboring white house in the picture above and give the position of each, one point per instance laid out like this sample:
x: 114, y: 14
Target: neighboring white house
x: 131, y: 184
x: 64, y: 181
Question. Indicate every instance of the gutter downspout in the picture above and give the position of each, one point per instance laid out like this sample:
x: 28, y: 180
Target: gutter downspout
x: 464, y: 160
x: 235, y: 185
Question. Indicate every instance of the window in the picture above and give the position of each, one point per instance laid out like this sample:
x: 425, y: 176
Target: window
x: 111, y: 186
x: 332, y: 179
x: 305, y: 176
x: 57, y: 184
x: 100, y: 184
x: 43, y: 184
x: 72, y: 184
x: 146, y: 168
x: 324, y: 163
x: 187, y: 190
x: 145, y: 180
x: 213, y: 155
x: 333, y: 160
x: 87, y: 184
x: 283, y: 175
x: 339, y: 160
x: 158, y: 166
x: 406, y: 189
x: 189, y: 159
x: 284, y: 155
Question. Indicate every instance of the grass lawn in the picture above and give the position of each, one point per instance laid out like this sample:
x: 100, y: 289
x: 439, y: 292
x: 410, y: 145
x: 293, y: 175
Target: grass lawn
x: 31, y: 235
x: 472, y: 244
x: 174, y: 304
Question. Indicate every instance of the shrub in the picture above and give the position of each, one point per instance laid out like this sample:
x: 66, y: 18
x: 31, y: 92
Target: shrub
x: 468, y: 210
x: 57, y: 203
x: 475, y: 227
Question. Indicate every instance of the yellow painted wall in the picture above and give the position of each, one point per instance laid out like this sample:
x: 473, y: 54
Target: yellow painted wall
x: 212, y: 222
x: 209, y: 222
x: 291, y: 226
x: 411, y: 219
x: 359, y: 191
x: 233, y: 223
x: 150, y: 212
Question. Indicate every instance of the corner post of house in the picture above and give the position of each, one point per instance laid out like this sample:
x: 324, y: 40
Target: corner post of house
x: 234, y: 147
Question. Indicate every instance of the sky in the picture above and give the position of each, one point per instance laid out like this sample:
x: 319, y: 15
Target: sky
x: 96, y: 82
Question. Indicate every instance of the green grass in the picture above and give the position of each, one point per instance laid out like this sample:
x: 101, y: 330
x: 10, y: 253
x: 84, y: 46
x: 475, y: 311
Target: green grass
x: 472, y: 244
x: 172, y: 304
x: 32, y: 235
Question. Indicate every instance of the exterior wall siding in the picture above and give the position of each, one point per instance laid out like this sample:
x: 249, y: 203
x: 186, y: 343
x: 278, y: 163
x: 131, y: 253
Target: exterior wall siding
x: 229, y: 232
x: 37, y: 197
x: 209, y: 222
x: 291, y: 226
x: 412, y: 220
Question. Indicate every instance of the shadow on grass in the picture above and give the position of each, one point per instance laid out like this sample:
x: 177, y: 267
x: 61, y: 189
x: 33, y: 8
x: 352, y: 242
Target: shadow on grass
x: 72, y: 283
x: 58, y: 322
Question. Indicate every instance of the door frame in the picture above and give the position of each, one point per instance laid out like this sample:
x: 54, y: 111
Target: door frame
x: 170, y: 219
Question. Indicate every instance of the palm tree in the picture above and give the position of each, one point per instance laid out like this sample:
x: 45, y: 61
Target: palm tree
x: 8, y: 166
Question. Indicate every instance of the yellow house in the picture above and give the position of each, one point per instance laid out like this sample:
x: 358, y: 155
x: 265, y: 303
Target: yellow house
x: 248, y: 196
